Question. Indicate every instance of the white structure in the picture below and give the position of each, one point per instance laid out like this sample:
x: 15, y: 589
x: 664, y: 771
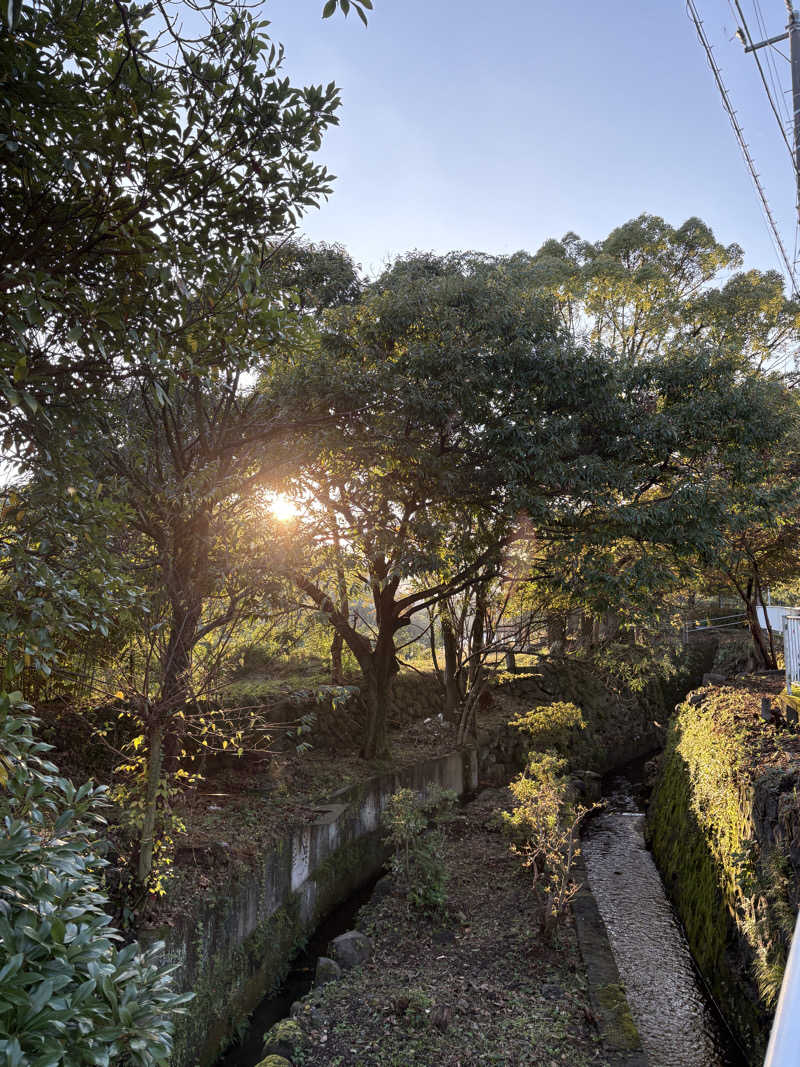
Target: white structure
x: 784, y: 1040
x: 791, y: 648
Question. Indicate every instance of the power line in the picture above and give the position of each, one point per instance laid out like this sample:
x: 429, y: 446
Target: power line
x: 772, y: 103
x: 771, y: 64
x: 737, y: 129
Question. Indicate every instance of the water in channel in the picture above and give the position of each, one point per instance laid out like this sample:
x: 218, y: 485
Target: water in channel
x: 678, y: 1025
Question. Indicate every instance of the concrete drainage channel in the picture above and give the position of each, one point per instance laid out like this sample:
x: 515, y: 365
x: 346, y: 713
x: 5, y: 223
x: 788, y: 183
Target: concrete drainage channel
x: 230, y: 950
x: 250, y: 1050
x: 645, y: 994
x: 677, y: 1024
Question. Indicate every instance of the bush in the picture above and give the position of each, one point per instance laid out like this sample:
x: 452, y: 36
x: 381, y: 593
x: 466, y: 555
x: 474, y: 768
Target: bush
x: 68, y: 994
x: 551, y: 726
x: 415, y: 830
x: 544, y: 831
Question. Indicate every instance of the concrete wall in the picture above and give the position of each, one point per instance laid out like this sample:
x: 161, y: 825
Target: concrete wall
x: 233, y: 950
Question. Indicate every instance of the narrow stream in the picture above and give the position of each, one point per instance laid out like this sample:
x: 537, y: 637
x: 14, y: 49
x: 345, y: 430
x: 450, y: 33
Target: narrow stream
x: 679, y: 1026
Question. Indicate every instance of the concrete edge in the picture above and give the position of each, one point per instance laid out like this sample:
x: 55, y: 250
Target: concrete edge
x: 610, y: 1007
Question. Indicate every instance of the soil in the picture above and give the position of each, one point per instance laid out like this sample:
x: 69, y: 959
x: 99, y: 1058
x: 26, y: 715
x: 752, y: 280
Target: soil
x: 240, y: 809
x: 482, y: 986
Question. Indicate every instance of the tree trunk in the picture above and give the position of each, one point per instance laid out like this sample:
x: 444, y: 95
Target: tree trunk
x: 477, y: 639
x: 155, y: 736
x: 452, y: 693
x: 337, y: 644
x: 378, y: 676
x: 337, y: 671
x: 557, y: 635
x: 176, y: 664
x: 762, y: 651
x: 588, y: 631
x: 772, y: 657
x: 432, y: 641
x: 765, y: 657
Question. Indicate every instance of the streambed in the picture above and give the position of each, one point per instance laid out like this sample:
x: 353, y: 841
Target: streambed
x: 678, y: 1025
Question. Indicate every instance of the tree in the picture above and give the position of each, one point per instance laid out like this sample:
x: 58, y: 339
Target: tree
x: 135, y: 160
x: 654, y: 292
x: 649, y: 287
x: 151, y: 180
x: 471, y: 408
x: 759, y: 535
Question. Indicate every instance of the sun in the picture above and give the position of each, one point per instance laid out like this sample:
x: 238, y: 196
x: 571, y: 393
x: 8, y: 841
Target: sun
x: 282, y: 508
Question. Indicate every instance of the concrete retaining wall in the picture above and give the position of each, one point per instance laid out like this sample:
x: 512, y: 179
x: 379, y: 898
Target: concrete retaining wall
x: 233, y: 950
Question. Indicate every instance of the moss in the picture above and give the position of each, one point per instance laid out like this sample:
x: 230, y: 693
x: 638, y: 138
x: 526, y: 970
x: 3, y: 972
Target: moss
x: 274, y: 1061
x: 619, y: 1029
x: 700, y: 828
x: 284, y: 1038
x: 231, y: 984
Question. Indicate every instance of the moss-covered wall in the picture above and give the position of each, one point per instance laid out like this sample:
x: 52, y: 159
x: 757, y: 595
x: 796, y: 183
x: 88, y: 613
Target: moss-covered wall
x: 724, y: 830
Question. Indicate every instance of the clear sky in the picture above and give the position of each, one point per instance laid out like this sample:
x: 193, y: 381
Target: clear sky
x: 493, y: 126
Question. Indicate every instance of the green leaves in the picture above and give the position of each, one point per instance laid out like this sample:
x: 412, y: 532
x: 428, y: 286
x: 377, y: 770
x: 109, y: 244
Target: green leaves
x: 360, y: 7
x: 68, y: 995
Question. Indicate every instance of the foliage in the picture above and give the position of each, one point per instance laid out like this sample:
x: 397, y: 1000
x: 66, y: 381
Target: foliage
x: 543, y: 827
x: 551, y: 726
x: 68, y: 994
x: 414, y: 828
x: 62, y: 582
x: 129, y: 795
x: 650, y: 287
x: 136, y: 160
x: 359, y: 6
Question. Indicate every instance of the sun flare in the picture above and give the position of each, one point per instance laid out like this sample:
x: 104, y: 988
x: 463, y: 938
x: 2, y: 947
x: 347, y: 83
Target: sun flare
x: 282, y: 508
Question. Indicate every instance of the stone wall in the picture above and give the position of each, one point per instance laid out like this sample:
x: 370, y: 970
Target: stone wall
x: 724, y: 828
x: 620, y: 724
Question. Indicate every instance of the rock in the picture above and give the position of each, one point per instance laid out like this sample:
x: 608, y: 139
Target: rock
x: 383, y: 888
x: 588, y: 785
x: 275, y: 1061
x: 328, y: 970
x: 714, y: 678
x: 351, y: 949
x: 285, y: 1039
x: 442, y: 1016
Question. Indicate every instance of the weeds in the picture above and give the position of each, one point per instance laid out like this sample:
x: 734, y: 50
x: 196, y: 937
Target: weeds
x: 543, y: 828
x: 415, y: 830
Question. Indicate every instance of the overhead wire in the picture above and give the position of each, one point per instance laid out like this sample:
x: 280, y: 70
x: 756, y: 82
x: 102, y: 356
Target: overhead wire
x: 767, y: 89
x: 744, y: 147
x: 781, y: 94
x: 771, y: 64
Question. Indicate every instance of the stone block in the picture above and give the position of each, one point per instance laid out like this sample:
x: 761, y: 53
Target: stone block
x: 351, y: 949
x: 328, y: 970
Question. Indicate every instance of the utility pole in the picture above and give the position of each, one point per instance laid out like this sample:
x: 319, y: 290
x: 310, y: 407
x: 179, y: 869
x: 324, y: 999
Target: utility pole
x: 793, y: 35
x: 793, y: 30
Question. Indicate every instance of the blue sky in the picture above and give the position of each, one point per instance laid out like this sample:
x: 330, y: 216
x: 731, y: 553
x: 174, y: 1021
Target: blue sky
x: 494, y: 126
